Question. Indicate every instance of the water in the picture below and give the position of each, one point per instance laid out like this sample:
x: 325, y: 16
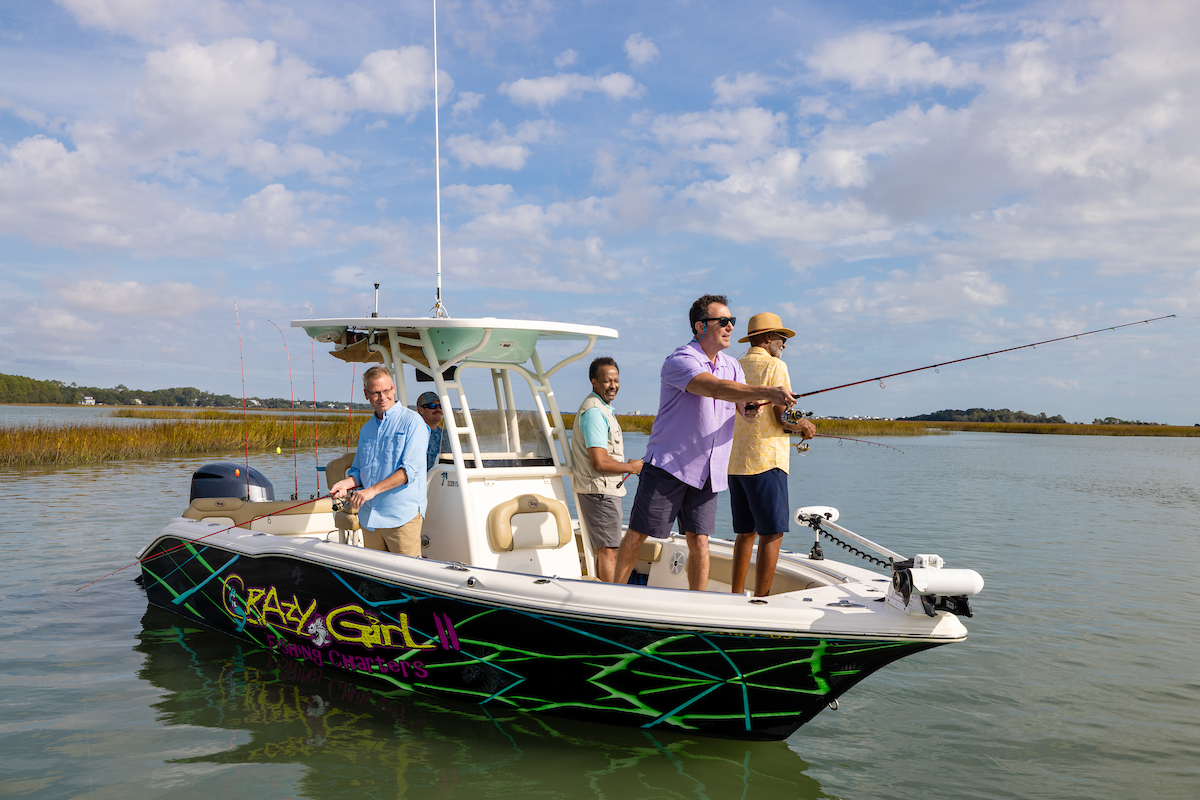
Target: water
x: 1079, y: 678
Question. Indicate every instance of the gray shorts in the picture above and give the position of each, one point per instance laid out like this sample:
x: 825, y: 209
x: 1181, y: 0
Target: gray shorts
x: 601, y: 517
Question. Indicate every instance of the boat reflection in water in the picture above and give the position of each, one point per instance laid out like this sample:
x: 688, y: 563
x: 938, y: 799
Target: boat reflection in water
x: 354, y: 739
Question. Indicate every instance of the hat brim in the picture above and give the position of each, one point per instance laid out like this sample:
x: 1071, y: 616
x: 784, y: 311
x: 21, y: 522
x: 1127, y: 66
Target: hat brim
x: 787, y: 332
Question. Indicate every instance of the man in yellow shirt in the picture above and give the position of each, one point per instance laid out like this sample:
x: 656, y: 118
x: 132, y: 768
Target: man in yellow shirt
x: 758, y: 465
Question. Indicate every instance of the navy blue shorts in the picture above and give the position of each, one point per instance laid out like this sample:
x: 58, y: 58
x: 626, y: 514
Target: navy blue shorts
x: 760, y: 502
x: 661, y: 497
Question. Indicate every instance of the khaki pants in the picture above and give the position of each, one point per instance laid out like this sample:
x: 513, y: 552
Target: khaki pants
x: 405, y: 540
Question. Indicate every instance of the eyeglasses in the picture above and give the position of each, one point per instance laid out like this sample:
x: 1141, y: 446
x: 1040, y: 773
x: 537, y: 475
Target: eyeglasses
x: 724, y: 322
x: 433, y: 406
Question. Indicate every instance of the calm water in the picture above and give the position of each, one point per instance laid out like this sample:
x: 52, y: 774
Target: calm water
x: 1079, y: 679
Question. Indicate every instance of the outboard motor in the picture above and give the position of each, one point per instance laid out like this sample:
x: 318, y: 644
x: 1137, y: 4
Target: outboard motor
x: 231, y: 480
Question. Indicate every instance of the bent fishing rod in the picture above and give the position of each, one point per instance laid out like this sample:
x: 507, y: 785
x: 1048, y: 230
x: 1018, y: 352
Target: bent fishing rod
x: 981, y: 355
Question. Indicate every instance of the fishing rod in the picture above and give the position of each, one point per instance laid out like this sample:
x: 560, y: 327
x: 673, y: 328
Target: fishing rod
x: 292, y: 392
x: 981, y: 355
x: 199, y: 538
x: 802, y: 446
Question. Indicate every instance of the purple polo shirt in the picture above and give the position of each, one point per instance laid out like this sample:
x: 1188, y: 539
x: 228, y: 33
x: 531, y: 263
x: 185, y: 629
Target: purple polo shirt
x: 693, y: 435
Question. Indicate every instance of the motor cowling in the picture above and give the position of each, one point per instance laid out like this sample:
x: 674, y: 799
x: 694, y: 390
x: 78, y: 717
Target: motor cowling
x: 231, y: 480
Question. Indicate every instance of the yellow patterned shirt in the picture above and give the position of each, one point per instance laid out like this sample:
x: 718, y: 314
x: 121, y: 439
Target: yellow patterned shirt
x: 764, y: 444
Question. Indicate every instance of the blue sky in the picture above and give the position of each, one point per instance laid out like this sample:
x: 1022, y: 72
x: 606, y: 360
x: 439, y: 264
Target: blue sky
x: 903, y: 183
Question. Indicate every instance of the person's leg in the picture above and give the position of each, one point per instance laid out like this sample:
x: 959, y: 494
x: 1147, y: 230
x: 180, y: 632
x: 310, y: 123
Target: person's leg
x: 407, y: 539
x: 768, y: 557
x: 743, y: 526
x: 697, y: 565
x: 606, y: 563
x: 743, y: 548
x: 698, y: 521
x: 655, y: 506
x: 373, y: 539
x: 627, y: 555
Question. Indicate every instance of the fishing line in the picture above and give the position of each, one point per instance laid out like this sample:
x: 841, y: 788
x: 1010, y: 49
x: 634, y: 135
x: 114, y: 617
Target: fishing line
x: 981, y: 355
x: 245, y: 413
x: 292, y: 392
x: 201, y: 538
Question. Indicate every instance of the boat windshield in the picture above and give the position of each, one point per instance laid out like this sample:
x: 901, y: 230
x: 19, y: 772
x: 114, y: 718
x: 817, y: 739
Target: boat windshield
x: 505, y: 440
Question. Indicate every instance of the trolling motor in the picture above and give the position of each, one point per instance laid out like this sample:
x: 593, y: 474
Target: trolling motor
x: 936, y: 589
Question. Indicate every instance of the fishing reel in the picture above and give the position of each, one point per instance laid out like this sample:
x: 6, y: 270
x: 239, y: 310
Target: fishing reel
x: 791, y: 417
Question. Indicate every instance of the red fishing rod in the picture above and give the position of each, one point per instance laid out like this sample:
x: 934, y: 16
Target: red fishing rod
x: 981, y: 355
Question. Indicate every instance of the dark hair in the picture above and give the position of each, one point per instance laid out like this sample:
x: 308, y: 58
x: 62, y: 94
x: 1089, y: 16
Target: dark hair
x: 602, y: 361
x: 700, y: 309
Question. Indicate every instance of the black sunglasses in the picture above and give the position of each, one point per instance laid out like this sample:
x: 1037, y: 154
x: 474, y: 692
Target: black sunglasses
x: 722, y: 321
x: 434, y: 406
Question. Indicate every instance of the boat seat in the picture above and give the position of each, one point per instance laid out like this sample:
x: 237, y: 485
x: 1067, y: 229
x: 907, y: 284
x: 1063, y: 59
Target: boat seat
x: 242, y: 512
x: 501, y: 524
x: 336, y: 470
x: 650, y: 551
x: 721, y: 570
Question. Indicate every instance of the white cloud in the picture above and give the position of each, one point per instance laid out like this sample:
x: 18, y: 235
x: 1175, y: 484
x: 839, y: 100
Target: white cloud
x: 351, y: 277
x: 504, y: 151
x: 566, y: 58
x: 741, y: 89
x: 135, y: 299
x: 202, y: 97
x: 909, y: 299
x: 547, y: 91
x: 479, y: 199
x: 878, y: 60
x: 269, y: 160
x: 640, y: 49
x: 467, y: 102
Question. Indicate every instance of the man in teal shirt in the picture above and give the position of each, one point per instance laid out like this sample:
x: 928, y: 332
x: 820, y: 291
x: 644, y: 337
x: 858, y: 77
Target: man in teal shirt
x: 598, y: 461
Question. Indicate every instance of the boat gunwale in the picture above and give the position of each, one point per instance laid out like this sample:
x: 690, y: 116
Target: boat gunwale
x: 611, y: 615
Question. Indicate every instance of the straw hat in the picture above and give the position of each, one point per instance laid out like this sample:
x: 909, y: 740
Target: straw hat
x: 766, y: 322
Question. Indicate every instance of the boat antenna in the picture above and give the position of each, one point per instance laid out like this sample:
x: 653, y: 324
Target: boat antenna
x: 981, y: 355
x: 438, y: 311
x: 375, y: 313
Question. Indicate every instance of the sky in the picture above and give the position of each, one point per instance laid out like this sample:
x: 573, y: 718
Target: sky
x: 902, y: 182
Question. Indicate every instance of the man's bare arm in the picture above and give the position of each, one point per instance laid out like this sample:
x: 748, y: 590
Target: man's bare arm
x: 397, y: 478
x: 605, y: 464
x: 708, y: 385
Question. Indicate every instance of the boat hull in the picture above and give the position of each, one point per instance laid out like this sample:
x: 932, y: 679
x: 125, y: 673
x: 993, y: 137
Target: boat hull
x: 727, y: 682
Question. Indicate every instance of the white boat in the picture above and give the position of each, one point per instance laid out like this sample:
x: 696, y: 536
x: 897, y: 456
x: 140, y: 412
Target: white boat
x: 502, y: 610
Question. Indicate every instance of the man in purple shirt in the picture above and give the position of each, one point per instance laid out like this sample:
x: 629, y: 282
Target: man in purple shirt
x: 687, y: 457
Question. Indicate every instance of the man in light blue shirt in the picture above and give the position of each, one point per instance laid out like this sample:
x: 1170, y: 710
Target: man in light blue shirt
x: 389, y: 466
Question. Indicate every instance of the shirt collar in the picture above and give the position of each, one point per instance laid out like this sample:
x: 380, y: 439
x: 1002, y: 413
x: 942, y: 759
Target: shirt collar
x: 601, y: 399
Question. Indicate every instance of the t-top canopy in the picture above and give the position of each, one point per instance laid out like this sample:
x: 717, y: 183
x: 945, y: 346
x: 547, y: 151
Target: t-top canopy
x: 487, y: 339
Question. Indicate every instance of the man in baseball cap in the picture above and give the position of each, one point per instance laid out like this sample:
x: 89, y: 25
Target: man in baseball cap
x: 430, y: 409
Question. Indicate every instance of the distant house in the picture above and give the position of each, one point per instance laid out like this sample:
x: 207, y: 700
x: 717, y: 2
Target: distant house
x: 87, y: 400
x: 137, y: 401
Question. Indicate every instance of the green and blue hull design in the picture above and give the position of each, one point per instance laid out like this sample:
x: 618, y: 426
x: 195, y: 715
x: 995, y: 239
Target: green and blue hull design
x: 394, y: 633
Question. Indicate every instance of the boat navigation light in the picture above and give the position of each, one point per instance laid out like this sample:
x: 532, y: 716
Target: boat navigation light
x: 376, y: 312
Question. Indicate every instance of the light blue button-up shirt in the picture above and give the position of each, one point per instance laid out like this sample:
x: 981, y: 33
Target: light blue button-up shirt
x: 384, y: 446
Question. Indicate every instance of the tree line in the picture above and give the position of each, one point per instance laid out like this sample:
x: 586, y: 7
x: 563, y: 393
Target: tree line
x: 19, y: 389
x: 984, y: 415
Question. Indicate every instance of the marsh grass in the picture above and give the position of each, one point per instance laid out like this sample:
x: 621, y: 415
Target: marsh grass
x: 1067, y: 429
x: 210, y: 414
x: 89, y: 444
x: 222, y: 432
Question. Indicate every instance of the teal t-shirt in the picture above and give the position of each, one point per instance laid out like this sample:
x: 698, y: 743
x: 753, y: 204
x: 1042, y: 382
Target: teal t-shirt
x: 594, y: 425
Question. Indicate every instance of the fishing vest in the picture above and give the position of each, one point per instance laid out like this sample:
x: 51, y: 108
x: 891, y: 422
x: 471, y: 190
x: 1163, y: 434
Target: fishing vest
x: 584, y: 479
